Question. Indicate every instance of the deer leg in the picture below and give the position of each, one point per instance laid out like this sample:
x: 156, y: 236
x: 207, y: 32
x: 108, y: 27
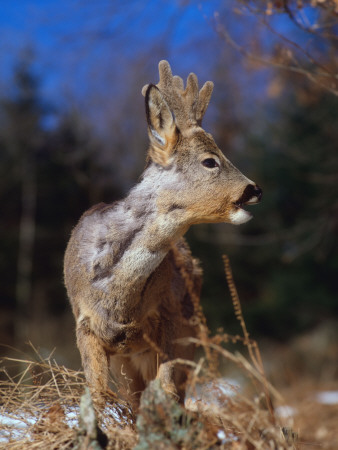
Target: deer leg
x: 129, y: 381
x: 95, y: 362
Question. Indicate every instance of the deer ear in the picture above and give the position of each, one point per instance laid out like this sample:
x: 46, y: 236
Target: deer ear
x: 161, y: 126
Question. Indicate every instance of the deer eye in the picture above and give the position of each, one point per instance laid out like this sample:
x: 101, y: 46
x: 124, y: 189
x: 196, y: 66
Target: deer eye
x: 210, y: 163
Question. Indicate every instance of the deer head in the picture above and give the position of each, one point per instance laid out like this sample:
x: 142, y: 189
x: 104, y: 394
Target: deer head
x: 206, y: 186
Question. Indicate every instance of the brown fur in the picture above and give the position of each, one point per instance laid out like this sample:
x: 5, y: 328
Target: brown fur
x: 130, y: 277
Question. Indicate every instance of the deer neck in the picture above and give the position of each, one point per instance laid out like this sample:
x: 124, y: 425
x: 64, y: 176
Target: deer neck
x: 137, y: 234
x: 159, y: 221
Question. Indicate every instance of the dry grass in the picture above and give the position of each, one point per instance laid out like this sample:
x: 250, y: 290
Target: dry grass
x: 40, y: 405
x: 40, y: 409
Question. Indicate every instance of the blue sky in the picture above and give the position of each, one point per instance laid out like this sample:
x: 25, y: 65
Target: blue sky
x: 87, y: 51
x: 71, y: 37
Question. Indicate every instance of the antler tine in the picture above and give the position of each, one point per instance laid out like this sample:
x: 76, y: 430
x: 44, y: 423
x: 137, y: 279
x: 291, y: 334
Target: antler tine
x: 192, y: 86
x: 191, y: 97
x: 165, y: 83
x: 203, y: 100
x: 166, y: 76
x: 189, y: 104
x: 178, y: 83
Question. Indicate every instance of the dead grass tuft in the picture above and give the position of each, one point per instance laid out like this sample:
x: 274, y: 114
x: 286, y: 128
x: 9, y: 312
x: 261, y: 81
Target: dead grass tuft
x: 40, y: 408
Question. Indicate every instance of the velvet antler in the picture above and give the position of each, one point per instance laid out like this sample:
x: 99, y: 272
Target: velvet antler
x: 189, y: 104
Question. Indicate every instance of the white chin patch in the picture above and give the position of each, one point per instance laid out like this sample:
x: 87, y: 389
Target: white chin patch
x: 240, y: 216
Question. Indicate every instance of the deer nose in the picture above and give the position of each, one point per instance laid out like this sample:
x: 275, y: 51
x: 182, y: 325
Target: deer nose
x: 252, y: 194
x: 257, y: 192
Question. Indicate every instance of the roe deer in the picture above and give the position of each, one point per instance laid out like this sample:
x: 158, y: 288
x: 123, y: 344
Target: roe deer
x: 123, y: 262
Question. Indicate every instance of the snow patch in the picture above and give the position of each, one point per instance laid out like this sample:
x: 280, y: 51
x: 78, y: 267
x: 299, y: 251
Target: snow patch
x: 327, y: 397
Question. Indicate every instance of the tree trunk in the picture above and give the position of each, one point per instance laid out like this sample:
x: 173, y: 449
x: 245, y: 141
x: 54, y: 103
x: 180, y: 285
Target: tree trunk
x: 25, y: 248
